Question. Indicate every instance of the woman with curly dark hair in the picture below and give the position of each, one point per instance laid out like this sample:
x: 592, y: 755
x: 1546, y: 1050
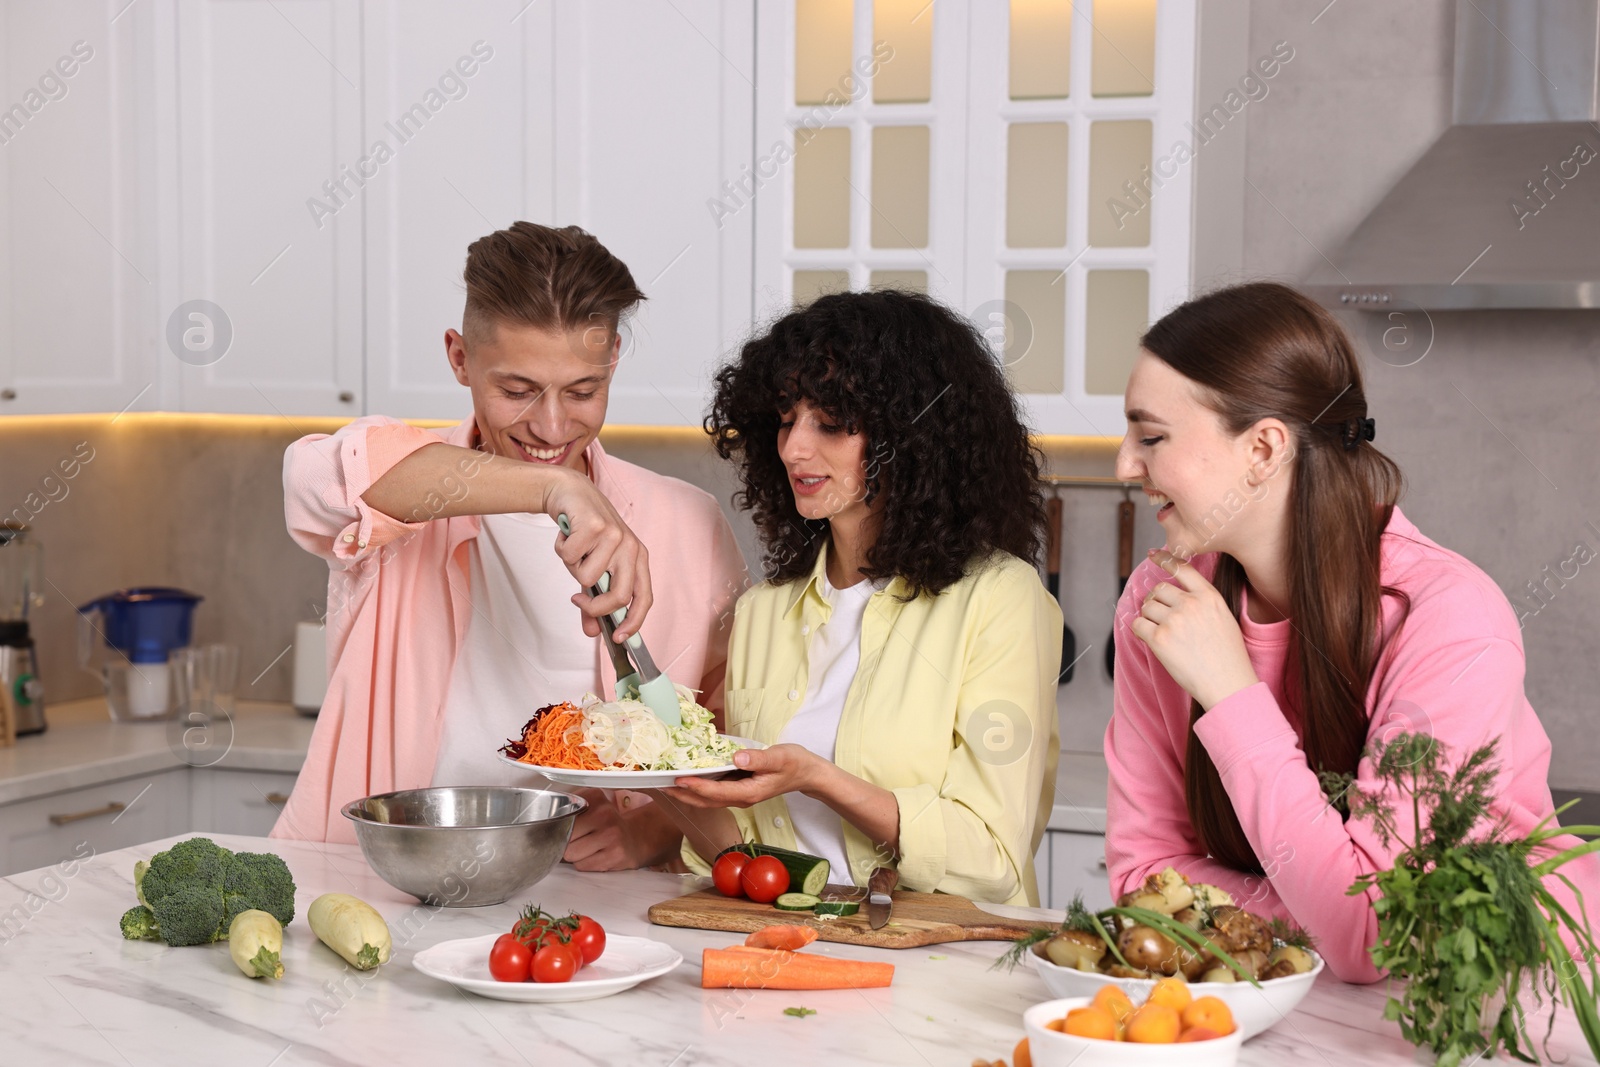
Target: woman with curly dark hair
x: 900, y: 660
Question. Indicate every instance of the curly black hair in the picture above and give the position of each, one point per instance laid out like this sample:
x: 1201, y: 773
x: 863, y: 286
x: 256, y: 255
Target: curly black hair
x: 946, y: 445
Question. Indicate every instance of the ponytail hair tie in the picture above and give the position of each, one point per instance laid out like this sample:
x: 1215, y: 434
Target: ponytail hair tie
x: 1357, y: 431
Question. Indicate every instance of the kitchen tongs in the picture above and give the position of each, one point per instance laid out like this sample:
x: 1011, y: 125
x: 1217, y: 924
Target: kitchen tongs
x: 646, y: 684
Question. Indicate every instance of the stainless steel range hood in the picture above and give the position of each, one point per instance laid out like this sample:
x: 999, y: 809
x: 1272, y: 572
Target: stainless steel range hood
x: 1503, y: 211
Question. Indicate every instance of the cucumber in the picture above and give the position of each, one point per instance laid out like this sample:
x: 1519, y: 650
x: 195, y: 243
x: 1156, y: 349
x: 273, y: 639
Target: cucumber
x: 807, y: 874
x: 838, y: 908
x: 796, y: 902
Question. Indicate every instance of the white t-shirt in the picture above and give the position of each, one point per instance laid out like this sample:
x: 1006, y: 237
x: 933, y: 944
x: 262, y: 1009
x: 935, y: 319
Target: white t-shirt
x: 833, y: 655
x: 525, y: 648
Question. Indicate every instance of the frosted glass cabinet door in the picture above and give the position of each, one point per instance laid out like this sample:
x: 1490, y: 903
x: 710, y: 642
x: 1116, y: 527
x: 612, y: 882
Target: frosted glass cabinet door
x: 77, y: 266
x: 270, y: 153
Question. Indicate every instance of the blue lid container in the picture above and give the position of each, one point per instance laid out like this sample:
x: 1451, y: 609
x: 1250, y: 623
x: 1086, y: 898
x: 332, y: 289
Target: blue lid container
x: 146, y: 623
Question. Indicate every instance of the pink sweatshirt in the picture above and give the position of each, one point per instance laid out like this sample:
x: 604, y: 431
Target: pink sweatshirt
x: 399, y: 602
x: 1455, y: 670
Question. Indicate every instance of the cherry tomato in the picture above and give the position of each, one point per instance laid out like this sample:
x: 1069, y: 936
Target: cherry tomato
x: 576, y: 953
x: 590, y: 939
x: 509, y: 959
x: 764, y: 879
x: 556, y: 962
x: 533, y: 926
x: 725, y: 873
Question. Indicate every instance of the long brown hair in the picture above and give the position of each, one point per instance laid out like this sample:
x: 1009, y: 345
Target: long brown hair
x: 1260, y: 351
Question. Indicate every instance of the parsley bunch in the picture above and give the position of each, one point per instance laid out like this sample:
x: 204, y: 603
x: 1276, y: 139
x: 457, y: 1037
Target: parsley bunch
x: 1464, y: 916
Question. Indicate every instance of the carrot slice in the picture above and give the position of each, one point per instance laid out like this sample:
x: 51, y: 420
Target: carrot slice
x: 787, y: 936
x: 744, y: 967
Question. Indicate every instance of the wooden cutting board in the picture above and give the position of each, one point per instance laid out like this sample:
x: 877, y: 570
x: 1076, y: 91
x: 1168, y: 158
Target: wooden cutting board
x: 918, y: 918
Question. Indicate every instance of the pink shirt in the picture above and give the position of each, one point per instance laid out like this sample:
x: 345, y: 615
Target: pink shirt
x: 399, y: 603
x: 1455, y: 670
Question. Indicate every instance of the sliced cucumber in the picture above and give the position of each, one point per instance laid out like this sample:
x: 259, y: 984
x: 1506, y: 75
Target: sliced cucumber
x: 796, y: 902
x: 807, y: 874
x: 836, y: 907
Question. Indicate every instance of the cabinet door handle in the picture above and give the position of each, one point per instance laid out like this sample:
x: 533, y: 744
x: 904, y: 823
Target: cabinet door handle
x: 1101, y: 863
x: 110, y: 809
x: 278, y: 798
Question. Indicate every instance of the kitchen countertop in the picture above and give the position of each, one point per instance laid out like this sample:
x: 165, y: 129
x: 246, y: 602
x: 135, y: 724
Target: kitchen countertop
x: 83, y: 747
x: 93, y: 998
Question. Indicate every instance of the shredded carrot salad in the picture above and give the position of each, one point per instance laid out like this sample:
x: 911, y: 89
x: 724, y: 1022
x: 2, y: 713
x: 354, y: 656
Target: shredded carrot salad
x: 554, y: 738
x: 620, y: 735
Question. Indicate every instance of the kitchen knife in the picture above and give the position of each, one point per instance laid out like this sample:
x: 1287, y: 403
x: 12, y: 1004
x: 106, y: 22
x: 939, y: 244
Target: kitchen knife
x: 1124, y: 569
x: 879, y: 902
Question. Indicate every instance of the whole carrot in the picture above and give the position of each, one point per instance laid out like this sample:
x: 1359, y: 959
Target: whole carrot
x: 743, y: 967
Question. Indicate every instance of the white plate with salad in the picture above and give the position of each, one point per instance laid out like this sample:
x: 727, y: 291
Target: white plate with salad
x: 622, y: 744
x: 625, y: 779
x: 626, y: 962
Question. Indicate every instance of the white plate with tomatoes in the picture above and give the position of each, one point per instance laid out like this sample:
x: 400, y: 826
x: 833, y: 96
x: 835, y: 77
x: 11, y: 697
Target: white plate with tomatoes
x: 613, y: 779
x: 625, y: 963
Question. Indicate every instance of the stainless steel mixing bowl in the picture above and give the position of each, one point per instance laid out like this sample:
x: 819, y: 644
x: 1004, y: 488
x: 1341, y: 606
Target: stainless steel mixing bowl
x: 463, y: 846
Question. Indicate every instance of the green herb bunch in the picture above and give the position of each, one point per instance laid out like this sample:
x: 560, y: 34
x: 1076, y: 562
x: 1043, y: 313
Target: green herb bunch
x: 1464, y: 917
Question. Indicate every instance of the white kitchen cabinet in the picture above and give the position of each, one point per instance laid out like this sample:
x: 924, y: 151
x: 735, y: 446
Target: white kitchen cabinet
x: 654, y: 106
x: 78, y: 256
x: 623, y: 118
x: 481, y: 159
x: 48, y: 830
x: 1077, y: 865
x: 268, y: 114
x: 236, y: 802
x: 315, y: 169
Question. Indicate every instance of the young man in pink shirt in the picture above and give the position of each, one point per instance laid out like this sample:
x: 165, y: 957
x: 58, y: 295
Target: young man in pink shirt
x: 1294, y: 618
x: 454, y: 604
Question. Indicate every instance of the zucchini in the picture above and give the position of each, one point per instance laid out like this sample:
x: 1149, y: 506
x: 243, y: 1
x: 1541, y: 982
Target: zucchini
x: 796, y: 902
x: 255, y: 941
x: 837, y: 908
x: 352, y: 928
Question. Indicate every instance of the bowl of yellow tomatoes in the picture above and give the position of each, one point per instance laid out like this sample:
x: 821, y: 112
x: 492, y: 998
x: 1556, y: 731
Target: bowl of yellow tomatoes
x: 1170, y: 1027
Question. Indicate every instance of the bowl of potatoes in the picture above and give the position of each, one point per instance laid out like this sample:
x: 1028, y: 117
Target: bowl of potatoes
x: 1279, y: 965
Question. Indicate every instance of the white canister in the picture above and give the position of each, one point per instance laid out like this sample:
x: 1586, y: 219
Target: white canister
x: 310, y: 666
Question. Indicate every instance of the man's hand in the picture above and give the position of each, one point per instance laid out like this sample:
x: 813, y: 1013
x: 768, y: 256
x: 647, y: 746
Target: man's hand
x: 600, y: 542
x: 621, y: 835
x: 493, y: 485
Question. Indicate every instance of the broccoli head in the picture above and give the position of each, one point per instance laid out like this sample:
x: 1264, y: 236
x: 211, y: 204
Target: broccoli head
x: 139, y: 924
x: 190, y: 914
x: 259, y: 880
x: 198, y: 861
x: 190, y: 893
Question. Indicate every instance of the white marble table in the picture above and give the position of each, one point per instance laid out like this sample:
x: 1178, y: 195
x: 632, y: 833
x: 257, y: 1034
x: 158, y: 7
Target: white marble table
x: 73, y: 992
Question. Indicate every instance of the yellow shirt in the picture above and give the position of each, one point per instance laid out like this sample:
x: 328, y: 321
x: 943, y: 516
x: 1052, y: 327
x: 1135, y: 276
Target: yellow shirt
x: 952, y: 709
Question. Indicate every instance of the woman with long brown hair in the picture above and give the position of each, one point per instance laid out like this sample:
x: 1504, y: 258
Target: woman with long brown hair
x: 1293, y: 617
